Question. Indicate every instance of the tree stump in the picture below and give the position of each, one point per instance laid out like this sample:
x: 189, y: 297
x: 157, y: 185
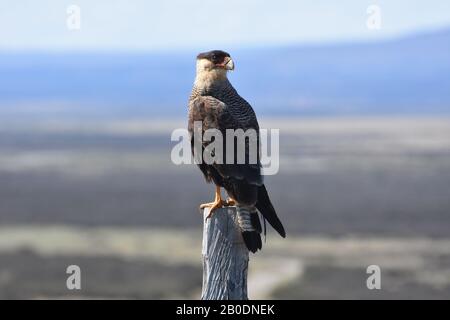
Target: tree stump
x: 225, y: 257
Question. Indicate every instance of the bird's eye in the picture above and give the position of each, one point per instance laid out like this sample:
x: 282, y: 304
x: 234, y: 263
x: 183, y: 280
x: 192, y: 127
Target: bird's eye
x: 214, y: 57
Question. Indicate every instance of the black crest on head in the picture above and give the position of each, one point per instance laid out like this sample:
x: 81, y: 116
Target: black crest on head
x: 215, y: 56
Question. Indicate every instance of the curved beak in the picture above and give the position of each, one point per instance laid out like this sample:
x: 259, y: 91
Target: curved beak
x: 228, y: 64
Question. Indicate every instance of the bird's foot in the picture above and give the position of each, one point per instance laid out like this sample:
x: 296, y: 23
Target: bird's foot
x: 218, y: 203
x: 211, y: 204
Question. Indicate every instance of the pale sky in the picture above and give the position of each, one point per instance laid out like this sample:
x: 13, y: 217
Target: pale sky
x: 165, y: 25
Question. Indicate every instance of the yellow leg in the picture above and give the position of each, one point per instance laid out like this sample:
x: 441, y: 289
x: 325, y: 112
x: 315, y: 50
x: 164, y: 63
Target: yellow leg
x: 217, y: 203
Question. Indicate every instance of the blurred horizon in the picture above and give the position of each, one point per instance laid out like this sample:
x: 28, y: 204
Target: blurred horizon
x: 404, y: 76
x: 86, y: 118
x: 293, y: 58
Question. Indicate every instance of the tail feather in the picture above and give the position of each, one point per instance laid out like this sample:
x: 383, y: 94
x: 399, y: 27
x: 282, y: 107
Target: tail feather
x: 252, y: 240
x: 267, y: 210
x: 248, y: 221
x: 256, y: 223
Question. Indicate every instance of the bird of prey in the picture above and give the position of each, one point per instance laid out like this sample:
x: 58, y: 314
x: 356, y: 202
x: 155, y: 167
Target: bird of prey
x: 216, y: 104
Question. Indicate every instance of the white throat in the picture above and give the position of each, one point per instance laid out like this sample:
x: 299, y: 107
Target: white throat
x: 206, y: 75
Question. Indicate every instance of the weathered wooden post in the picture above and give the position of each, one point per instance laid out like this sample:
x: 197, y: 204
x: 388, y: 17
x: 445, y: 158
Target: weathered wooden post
x: 225, y: 257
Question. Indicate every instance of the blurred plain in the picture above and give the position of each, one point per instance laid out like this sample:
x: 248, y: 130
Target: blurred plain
x: 86, y: 117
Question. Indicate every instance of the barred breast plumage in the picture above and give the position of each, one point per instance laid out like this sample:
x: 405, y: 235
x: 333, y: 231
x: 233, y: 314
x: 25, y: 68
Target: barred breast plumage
x: 237, y: 106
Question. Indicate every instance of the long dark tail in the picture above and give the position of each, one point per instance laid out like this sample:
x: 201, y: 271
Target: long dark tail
x: 266, y: 208
x: 250, y: 225
x: 252, y: 240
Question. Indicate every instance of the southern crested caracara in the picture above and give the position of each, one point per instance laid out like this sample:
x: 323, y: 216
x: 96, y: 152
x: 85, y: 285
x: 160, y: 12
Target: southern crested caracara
x: 216, y: 105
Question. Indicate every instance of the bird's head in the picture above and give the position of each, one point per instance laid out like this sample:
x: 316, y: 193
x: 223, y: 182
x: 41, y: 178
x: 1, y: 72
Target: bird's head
x: 214, y: 63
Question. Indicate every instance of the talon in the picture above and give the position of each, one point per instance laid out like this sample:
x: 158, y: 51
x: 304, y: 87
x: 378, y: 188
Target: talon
x: 206, y: 205
x: 216, y: 204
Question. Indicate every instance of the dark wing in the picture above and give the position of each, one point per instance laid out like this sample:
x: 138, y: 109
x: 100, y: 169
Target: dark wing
x: 214, y: 114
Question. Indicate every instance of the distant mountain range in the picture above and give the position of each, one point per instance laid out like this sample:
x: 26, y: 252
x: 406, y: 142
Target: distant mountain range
x: 409, y: 75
